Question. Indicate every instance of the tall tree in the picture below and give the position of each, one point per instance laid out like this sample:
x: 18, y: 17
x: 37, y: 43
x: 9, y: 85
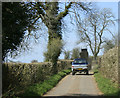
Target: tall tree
x: 15, y: 21
x: 92, y: 28
x: 50, y: 15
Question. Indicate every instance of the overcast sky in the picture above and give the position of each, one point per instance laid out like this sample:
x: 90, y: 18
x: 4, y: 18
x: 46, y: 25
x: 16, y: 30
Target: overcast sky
x: 70, y: 38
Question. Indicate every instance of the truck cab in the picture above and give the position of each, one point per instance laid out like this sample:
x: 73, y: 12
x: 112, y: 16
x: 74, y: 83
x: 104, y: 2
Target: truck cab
x: 80, y: 65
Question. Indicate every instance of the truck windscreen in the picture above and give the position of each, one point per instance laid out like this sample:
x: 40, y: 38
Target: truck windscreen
x: 80, y: 62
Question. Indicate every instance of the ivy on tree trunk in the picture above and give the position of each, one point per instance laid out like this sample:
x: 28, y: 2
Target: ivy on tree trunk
x: 52, y: 19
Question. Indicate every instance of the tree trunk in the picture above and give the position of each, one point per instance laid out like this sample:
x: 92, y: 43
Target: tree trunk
x: 54, y: 68
x: 53, y: 22
x: 95, y: 56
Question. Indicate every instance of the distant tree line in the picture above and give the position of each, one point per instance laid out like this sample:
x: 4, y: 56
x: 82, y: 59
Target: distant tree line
x: 75, y: 53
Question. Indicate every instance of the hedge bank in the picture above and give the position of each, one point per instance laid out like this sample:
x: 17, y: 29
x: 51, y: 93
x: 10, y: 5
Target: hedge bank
x: 108, y: 65
x: 21, y: 75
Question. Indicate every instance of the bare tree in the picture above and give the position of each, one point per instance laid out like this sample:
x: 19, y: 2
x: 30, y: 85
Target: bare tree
x: 92, y: 28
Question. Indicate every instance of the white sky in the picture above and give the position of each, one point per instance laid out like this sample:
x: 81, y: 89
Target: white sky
x: 70, y: 37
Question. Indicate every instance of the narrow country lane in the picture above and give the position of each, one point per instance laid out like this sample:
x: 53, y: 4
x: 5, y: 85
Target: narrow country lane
x: 75, y: 85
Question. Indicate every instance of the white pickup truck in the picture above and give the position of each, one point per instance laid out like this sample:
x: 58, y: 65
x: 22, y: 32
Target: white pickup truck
x: 80, y: 65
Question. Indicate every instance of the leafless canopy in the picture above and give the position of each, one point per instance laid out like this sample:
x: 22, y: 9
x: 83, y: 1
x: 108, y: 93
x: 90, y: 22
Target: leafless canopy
x: 92, y: 28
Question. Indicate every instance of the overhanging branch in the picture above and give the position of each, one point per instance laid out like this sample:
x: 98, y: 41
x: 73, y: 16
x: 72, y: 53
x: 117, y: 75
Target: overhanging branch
x: 64, y: 13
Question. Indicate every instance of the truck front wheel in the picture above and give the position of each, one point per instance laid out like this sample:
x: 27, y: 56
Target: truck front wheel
x: 73, y: 73
x: 87, y: 72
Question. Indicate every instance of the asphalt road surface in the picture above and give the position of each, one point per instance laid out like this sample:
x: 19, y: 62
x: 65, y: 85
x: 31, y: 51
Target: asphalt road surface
x: 76, y: 85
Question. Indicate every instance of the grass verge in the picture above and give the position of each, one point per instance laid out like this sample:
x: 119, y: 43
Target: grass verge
x: 106, y: 86
x: 41, y: 88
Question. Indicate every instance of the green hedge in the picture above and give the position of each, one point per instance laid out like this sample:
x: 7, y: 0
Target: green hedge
x: 17, y: 76
x: 109, y: 64
x: 41, y: 88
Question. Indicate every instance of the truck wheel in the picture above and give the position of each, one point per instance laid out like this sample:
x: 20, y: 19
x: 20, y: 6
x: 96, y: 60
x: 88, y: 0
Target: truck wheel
x: 73, y: 73
x: 87, y: 72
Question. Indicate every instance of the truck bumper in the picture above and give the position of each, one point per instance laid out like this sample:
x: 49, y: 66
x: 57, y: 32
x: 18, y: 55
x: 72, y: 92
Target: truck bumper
x: 80, y: 70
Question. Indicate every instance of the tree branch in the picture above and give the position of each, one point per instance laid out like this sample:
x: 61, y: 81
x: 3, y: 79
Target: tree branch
x: 30, y: 27
x: 64, y: 13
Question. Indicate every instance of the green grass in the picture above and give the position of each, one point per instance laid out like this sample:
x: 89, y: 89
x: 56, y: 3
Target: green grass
x: 41, y: 88
x: 106, y: 86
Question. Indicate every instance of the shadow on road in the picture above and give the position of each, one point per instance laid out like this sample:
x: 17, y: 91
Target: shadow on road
x: 82, y: 96
x: 76, y: 95
x: 83, y: 74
